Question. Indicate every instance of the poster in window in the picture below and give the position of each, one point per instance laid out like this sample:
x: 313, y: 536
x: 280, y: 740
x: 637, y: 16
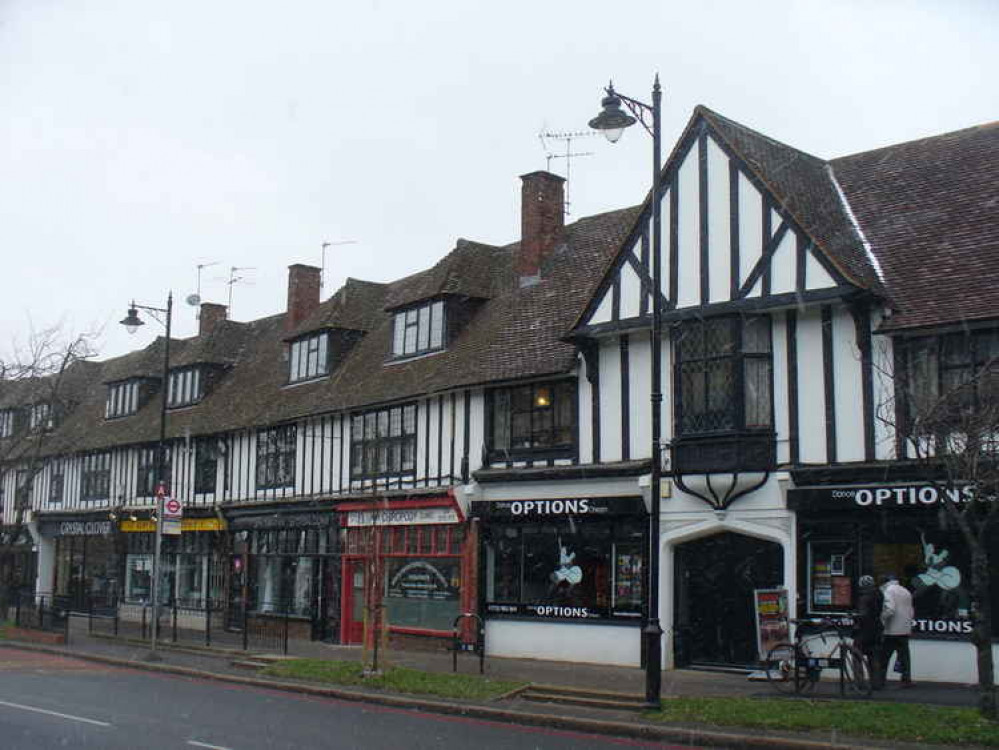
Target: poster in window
x: 628, y: 574
x: 423, y: 593
x: 842, y: 592
x: 771, y: 619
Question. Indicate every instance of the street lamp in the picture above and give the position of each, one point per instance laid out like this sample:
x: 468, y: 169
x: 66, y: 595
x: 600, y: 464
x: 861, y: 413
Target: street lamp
x: 612, y: 121
x: 132, y: 321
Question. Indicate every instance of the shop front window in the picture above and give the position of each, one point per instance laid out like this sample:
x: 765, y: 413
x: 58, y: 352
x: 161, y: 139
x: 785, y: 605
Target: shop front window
x: 422, y: 592
x: 139, y: 578
x: 282, y: 584
x: 566, y: 568
x: 932, y: 561
x: 187, y: 570
x: 191, y: 571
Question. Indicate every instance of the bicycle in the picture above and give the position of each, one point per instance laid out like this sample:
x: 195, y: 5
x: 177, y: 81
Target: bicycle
x: 819, y: 644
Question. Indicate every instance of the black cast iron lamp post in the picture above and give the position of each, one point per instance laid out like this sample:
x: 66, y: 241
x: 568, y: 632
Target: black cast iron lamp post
x: 612, y: 121
x: 132, y: 321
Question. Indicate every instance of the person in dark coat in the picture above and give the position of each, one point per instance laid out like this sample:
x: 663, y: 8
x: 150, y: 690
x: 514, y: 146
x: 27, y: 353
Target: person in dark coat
x: 868, y: 628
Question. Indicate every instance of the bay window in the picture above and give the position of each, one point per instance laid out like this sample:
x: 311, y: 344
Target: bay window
x: 947, y: 381
x: 723, y: 375
x: 724, y: 402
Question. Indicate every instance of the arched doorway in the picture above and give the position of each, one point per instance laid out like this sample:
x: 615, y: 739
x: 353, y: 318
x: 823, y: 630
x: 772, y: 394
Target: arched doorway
x: 713, y: 584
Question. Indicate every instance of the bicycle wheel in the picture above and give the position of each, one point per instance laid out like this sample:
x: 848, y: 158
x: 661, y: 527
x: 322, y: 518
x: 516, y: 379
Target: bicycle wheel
x: 781, y: 666
x: 856, y: 671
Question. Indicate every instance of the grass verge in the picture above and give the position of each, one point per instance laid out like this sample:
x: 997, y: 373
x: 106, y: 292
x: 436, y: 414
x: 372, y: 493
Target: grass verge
x: 394, y: 679
x: 889, y: 721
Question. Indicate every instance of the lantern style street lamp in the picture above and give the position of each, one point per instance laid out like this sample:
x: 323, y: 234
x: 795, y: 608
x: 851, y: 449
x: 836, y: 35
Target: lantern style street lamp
x: 132, y: 321
x: 612, y: 121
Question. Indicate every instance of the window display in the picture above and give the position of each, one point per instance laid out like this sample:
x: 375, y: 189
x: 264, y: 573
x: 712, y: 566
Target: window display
x: 568, y: 567
x: 930, y: 561
x: 422, y: 593
x: 831, y: 576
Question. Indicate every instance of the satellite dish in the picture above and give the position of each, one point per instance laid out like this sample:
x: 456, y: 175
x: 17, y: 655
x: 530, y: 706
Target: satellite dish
x: 193, y: 300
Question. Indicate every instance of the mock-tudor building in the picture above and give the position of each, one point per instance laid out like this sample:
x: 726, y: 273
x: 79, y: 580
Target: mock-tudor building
x: 481, y: 430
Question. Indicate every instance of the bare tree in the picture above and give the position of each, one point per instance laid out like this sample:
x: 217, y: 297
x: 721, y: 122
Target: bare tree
x: 946, y: 419
x: 40, y: 381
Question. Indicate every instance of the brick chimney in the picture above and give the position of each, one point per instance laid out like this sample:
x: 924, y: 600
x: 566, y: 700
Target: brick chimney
x: 303, y: 293
x: 210, y: 316
x: 542, y: 218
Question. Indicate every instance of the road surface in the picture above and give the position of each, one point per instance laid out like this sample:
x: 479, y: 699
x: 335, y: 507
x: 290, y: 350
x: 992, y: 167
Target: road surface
x: 49, y: 701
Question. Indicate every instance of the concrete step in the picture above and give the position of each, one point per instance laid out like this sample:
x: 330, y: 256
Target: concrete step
x: 250, y: 663
x: 583, y: 697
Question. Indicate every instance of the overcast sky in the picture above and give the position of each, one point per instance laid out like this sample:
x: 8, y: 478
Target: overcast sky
x: 143, y: 138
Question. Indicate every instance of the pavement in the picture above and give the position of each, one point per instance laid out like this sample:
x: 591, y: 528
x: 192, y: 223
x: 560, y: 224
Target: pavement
x: 220, y: 664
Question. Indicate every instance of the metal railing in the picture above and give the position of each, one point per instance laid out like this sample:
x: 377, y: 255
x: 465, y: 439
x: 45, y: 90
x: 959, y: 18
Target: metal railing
x: 36, y: 612
x: 214, y: 623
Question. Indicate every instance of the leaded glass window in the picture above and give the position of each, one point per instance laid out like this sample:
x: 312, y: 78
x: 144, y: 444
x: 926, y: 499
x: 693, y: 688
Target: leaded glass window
x: 724, y: 375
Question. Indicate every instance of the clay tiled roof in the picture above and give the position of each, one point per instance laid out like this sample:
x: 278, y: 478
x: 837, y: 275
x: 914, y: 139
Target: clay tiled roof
x: 357, y: 306
x: 930, y: 209
x: 511, y: 333
x: 470, y: 270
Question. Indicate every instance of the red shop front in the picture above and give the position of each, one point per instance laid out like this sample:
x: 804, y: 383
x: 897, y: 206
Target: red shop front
x: 408, y: 568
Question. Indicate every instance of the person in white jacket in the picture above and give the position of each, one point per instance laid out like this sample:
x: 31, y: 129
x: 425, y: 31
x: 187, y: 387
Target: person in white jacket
x: 896, y: 615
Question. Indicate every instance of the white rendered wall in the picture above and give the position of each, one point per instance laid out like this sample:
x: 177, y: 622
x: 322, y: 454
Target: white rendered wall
x: 811, y: 390
x: 45, y: 579
x: 945, y: 661
x: 719, y: 228
x: 781, y: 411
x: 558, y: 641
x: 848, y: 392
x: 610, y: 401
x: 688, y: 233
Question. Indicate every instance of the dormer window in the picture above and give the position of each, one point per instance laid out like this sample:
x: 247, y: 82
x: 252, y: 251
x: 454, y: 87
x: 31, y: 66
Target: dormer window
x: 309, y: 358
x: 6, y: 423
x: 40, y: 417
x: 123, y: 399
x: 418, y: 330
x: 186, y: 387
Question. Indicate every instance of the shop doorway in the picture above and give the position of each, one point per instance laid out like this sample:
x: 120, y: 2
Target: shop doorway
x: 714, y: 580
x: 352, y: 606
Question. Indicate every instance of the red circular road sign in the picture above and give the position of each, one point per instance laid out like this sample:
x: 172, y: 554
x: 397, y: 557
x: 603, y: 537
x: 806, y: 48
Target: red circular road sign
x: 172, y: 506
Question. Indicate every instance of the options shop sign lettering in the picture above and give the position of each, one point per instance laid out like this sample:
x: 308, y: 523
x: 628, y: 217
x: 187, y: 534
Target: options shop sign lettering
x: 890, y: 497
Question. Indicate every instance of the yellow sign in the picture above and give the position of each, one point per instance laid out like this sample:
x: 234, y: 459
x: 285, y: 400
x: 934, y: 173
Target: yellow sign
x: 187, y: 524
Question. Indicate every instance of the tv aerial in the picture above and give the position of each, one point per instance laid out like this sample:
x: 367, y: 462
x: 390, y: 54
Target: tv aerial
x: 545, y: 136
x: 195, y: 299
x: 322, y: 268
x: 235, y: 278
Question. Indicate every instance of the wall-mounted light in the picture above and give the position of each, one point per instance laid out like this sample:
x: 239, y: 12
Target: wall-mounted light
x: 543, y: 397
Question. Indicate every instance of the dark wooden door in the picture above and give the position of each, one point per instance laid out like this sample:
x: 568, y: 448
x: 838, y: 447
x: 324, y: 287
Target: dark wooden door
x: 714, y: 581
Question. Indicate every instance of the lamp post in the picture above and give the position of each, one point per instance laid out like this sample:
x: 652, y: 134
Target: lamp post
x: 132, y: 321
x: 612, y: 121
